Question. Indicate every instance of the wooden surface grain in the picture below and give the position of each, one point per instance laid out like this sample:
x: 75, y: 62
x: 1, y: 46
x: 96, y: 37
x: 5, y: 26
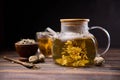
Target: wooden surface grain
x: 50, y: 71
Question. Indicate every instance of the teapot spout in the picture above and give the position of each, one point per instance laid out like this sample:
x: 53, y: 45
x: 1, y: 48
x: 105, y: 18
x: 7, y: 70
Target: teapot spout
x: 53, y: 33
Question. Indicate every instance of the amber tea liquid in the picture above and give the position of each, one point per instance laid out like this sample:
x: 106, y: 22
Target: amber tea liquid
x: 77, y: 52
x: 45, y: 46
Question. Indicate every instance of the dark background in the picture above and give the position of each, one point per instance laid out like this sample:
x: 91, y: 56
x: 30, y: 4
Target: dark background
x: 22, y: 19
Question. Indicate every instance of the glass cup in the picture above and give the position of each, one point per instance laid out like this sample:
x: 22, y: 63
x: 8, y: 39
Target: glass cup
x: 44, y: 43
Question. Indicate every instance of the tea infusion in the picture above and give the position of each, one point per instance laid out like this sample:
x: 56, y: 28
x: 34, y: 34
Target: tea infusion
x: 45, y: 46
x: 76, y: 52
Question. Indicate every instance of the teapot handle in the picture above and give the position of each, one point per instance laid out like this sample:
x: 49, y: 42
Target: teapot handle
x: 108, y: 38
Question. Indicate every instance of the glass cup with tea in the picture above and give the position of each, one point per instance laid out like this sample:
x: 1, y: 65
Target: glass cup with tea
x: 44, y: 43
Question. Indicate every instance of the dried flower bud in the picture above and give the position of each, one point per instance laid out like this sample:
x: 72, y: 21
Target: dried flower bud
x: 26, y: 41
x: 41, y: 58
x: 33, y: 59
x: 98, y: 61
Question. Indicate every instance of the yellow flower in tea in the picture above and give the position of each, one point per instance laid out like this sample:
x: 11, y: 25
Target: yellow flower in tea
x: 73, y: 55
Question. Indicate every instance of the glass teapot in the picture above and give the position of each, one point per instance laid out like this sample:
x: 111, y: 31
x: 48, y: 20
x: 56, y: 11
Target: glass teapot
x: 75, y: 46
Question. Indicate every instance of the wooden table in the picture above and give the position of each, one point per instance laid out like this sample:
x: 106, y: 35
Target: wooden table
x: 50, y: 71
